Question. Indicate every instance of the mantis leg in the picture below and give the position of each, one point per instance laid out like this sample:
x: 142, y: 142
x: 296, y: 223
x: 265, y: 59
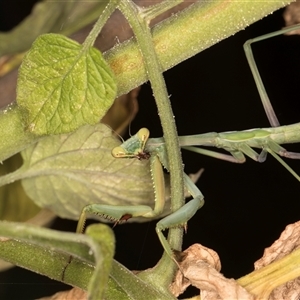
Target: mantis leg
x: 230, y: 158
x: 237, y: 156
x: 182, y: 215
x: 257, y: 78
x: 178, y: 218
x: 125, y: 212
x: 112, y: 213
x: 282, y: 151
x: 275, y: 155
x: 276, y: 151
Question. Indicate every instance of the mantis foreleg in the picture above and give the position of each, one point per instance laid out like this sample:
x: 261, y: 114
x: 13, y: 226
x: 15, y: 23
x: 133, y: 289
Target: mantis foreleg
x: 125, y: 212
x: 136, y: 147
x: 227, y: 157
x: 238, y: 144
x: 182, y: 215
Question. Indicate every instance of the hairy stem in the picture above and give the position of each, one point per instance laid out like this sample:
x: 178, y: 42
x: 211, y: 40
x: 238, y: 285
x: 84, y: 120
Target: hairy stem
x: 195, y: 29
x: 109, y: 9
x: 144, y: 38
x: 185, y: 34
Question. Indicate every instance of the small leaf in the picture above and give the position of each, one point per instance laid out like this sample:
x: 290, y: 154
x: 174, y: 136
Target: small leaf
x: 63, y: 85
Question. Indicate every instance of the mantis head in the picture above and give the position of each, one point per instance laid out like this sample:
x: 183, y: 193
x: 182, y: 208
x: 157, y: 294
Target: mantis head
x: 134, y: 147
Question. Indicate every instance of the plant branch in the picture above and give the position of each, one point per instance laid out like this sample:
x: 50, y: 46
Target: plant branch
x: 181, y: 36
x: 109, y: 9
x: 144, y: 38
x: 149, y: 13
x: 185, y: 34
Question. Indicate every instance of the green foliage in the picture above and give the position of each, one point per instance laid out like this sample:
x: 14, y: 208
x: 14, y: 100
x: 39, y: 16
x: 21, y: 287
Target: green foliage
x: 78, y: 168
x: 63, y: 85
x: 91, y: 267
x: 53, y: 250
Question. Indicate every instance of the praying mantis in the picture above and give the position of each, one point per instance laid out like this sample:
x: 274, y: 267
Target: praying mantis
x: 238, y: 143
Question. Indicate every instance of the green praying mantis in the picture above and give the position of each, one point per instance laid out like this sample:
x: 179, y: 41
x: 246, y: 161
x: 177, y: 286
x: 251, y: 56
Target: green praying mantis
x: 238, y: 143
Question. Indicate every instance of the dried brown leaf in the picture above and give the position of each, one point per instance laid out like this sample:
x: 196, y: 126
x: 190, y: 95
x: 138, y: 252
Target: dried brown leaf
x: 73, y: 294
x: 122, y: 112
x: 291, y: 16
x: 288, y: 241
x: 200, y: 268
x: 288, y: 291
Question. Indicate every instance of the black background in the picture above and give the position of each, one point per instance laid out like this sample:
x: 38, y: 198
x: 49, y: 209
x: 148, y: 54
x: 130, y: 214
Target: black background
x: 247, y: 206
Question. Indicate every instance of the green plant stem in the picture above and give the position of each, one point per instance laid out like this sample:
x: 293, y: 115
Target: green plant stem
x: 151, y: 12
x: 89, y: 269
x: 185, y: 34
x: 263, y: 281
x: 176, y: 39
x: 14, y: 136
x: 11, y: 177
x: 52, y: 251
x: 144, y: 38
x: 109, y: 9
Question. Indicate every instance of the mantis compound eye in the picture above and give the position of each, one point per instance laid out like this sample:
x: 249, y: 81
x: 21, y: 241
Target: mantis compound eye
x: 143, y: 134
x: 118, y: 152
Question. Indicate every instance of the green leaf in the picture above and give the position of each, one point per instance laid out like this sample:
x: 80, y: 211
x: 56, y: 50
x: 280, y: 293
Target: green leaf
x: 52, y: 250
x: 104, y: 252
x: 63, y: 85
x: 16, y: 205
x: 66, y: 172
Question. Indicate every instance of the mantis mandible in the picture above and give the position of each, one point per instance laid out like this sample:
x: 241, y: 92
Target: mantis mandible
x: 238, y: 144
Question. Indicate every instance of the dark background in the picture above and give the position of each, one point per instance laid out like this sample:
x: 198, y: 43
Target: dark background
x: 247, y: 206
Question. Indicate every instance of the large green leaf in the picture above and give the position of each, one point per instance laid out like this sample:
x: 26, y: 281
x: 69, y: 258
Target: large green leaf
x: 89, y: 268
x: 66, y: 172
x: 63, y: 85
x: 52, y: 250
